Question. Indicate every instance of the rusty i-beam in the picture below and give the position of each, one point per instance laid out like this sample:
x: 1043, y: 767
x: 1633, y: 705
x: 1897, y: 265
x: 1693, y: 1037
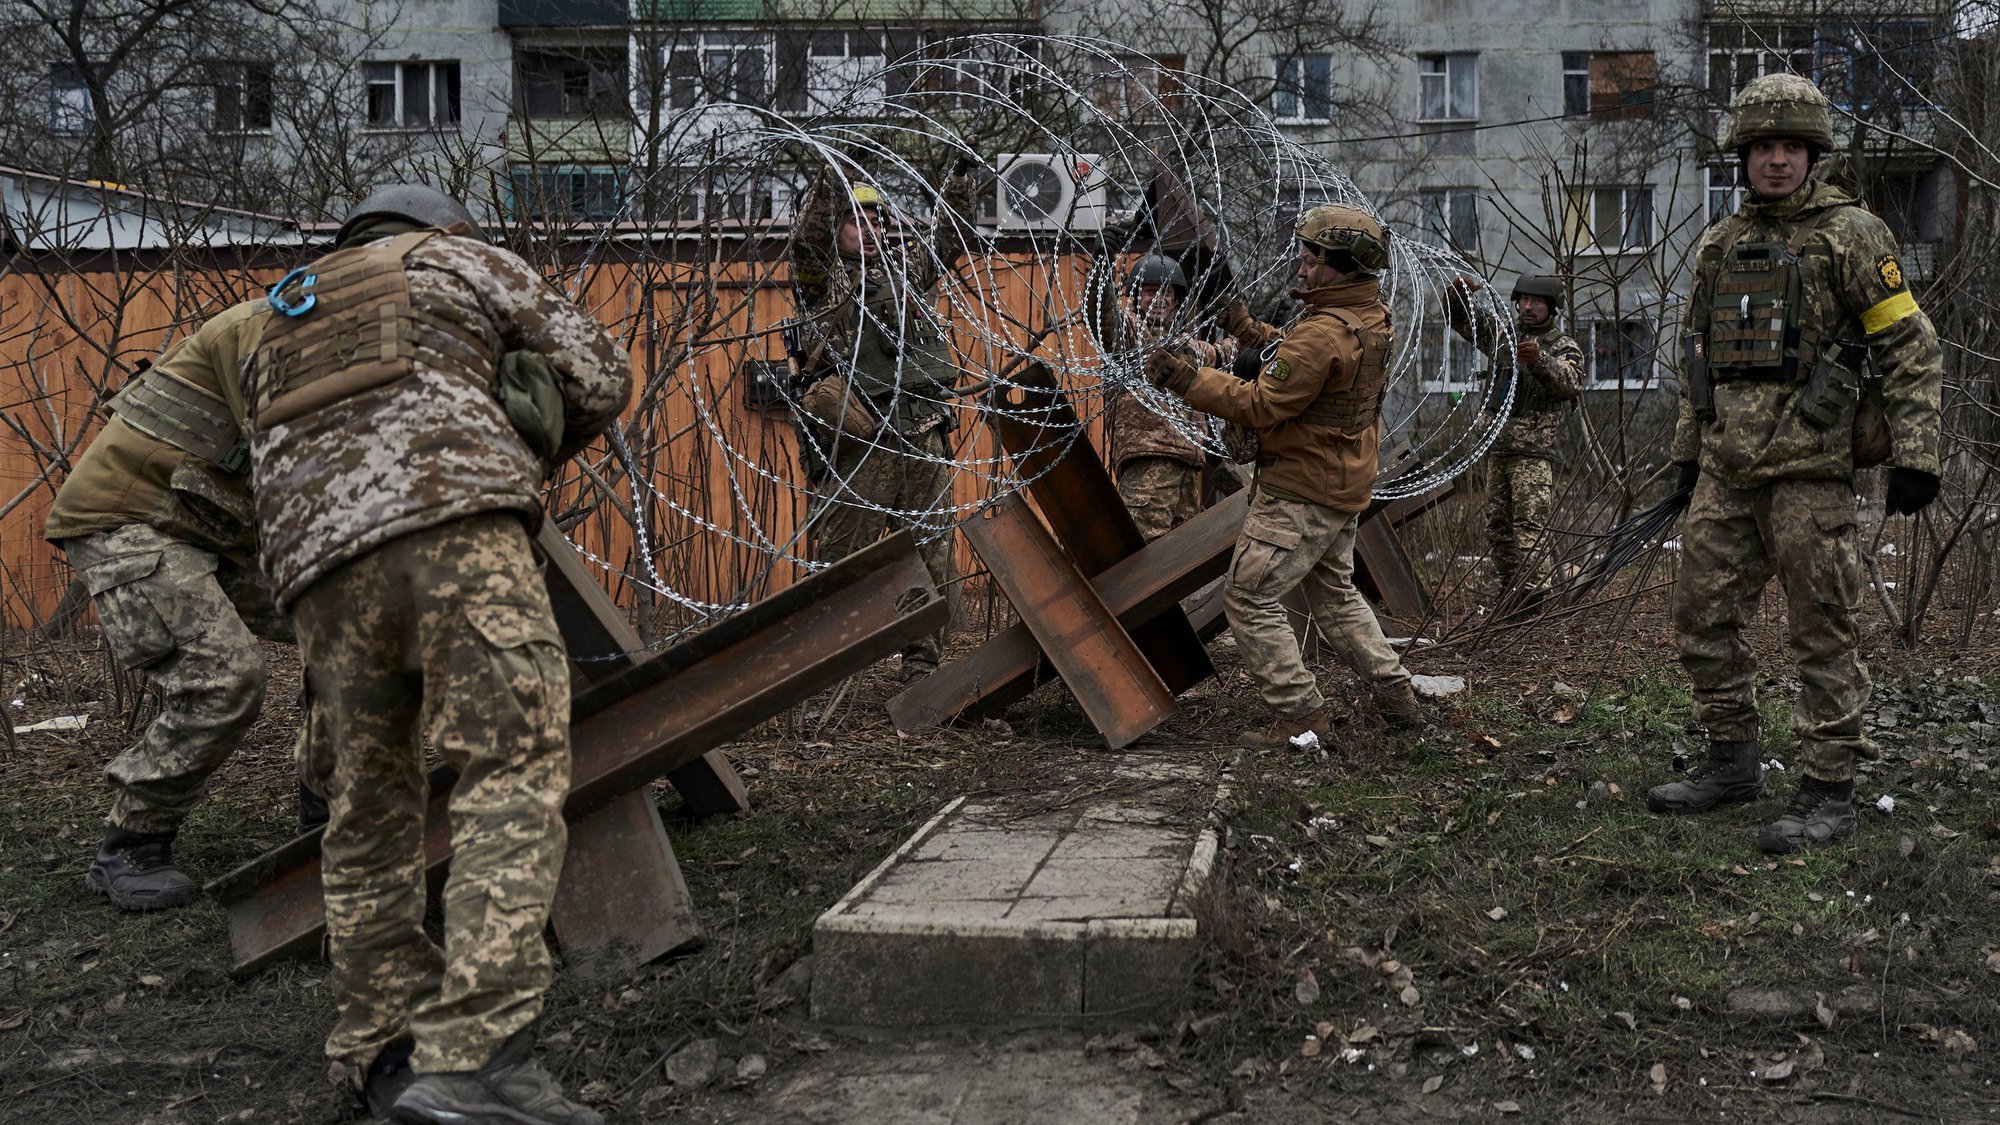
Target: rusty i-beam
x: 632, y: 725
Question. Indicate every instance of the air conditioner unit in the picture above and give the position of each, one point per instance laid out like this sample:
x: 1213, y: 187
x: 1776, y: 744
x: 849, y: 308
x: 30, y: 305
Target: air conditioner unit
x: 1041, y: 191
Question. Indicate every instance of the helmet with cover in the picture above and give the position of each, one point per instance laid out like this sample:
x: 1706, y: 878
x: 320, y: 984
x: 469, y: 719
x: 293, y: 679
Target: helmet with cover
x: 1780, y: 106
x: 1341, y: 228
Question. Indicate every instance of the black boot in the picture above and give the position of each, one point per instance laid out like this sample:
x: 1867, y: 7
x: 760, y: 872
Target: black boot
x: 1732, y: 775
x: 511, y: 1087
x: 312, y: 812
x: 1820, y: 811
x: 136, y: 871
x: 388, y: 1076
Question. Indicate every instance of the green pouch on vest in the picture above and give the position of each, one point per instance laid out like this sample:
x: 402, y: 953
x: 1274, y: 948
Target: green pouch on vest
x: 1831, y: 388
x: 531, y: 394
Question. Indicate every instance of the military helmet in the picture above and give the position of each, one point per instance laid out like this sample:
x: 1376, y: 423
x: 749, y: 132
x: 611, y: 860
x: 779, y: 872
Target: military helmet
x: 1780, y: 105
x: 1348, y: 229
x: 1546, y: 286
x: 416, y: 203
x: 1158, y: 269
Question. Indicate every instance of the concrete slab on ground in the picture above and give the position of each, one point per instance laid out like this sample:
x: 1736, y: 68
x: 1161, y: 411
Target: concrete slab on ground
x: 1028, y: 908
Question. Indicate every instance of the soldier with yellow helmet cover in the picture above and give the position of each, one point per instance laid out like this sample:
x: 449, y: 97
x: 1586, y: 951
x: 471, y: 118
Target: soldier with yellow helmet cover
x: 1316, y: 406
x: 1793, y: 296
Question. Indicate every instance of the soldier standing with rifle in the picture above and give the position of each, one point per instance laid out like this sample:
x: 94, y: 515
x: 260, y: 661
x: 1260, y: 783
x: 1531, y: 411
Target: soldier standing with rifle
x: 1792, y: 295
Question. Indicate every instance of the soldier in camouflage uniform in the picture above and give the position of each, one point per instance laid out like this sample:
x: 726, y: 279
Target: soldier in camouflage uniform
x: 1546, y: 366
x: 404, y: 411
x: 1317, y: 408
x: 1792, y: 296
x: 876, y: 422
x: 156, y: 520
x: 1158, y: 467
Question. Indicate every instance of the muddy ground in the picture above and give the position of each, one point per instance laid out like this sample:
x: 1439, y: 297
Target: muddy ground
x: 1481, y: 922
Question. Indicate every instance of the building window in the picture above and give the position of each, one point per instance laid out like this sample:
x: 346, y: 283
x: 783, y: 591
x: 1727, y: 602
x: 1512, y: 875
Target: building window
x: 719, y: 66
x: 242, y: 96
x: 712, y: 195
x: 1449, y: 87
x: 546, y: 194
x: 1610, y: 219
x: 1867, y: 67
x: 1618, y: 352
x: 1147, y: 82
x: 579, y: 85
x: 1608, y: 85
x: 1448, y: 361
x: 1738, y: 53
x: 70, y: 111
x: 412, y: 95
x: 843, y: 66
x: 1451, y: 216
x: 1303, y: 90
x: 1725, y: 189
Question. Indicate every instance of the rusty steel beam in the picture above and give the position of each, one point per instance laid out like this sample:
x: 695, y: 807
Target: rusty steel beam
x: 601, y: 641
x: 1096, y: 658
x: 1076, y: 496
x: 1140, y: 588
x: 645, y: 721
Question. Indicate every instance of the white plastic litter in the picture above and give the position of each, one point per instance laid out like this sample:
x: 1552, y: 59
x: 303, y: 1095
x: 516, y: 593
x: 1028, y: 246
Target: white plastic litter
x: 1886, y: 803
x: 60, y: 722
x: 1306, y: 740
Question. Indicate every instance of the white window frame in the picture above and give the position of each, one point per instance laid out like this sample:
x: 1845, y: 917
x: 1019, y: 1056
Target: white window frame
x: 71, y: 111
x: 1148, y: 84
x: 1291, y: 101
x: 396, y: 76
x: 1462, y: 361
x: 842, y: 64
x: 544, y: 179
x: 1435, y: 207
x: 1594, y: 194
x: 1764, y: 56
x: 1436, y: 72
x: 1643, y: 311
x: 1724, y: 189
x: 233, y: 75
x: 1570, y: 75
x: 711, y: 50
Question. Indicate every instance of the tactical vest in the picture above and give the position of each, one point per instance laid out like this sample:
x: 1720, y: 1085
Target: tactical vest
x: 361, y: 332
x: 1355, y: 407
x: 184, y: 416
x: 886, y: 339
x: 1758, y: 323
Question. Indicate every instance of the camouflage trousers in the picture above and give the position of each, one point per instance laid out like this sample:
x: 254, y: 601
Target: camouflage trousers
x: 446, y: 630
x: 1519, y: 493
x: 1162, y: 493
x: 871, y: 489
x: 1734, y: 540
x: 189, y: 619
x: 1287, y: 545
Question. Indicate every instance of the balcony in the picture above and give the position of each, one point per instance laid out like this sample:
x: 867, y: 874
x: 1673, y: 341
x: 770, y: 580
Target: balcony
x: 568, y: 140
x: 852, y: 11
x: 563, y: 13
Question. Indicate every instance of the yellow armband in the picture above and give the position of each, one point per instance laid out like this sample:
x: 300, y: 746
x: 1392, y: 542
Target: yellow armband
x: 1888, y: 312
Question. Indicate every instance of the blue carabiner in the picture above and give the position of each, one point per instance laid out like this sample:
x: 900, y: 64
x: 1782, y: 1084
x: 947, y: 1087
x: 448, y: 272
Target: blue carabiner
x: 305, y: 289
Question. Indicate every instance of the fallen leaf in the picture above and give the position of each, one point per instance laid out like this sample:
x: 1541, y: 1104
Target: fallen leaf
x: 12, y: 1020
x: 1493, y: 818
x: 152, y: 980
x: 1410, y: 996
x: 1433, y: 1083
x: 1250, y: 1068
x: 1363, y: 1034
x: 1507, y: 1107
x: 1378, y: 841
x: 1565, y: 714
x: 1993, y: 960
x: 1311, y: 1048
x: 1739, y: 869
x: 750, y: 1068
x: 693, y: 1064
x: 1306, y: 992
x: 1491, y: 741
x: 1943, y: 833
x: 1777, y: 1071
x: 1497, y: 913
x: 1659, y: 1076
x: 1821, y: 1012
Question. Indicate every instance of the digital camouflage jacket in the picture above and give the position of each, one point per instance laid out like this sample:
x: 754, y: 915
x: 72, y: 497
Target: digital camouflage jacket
x: 1542, y: 393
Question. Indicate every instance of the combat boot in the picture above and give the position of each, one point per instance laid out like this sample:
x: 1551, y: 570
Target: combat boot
x: 1278, y: 734
x: 136, y: 871
x: 388, y: 1076
x: 312, y: 813
x: 1820, y: 811
x: 1398, y: 706
x: 512, y: 1087
x: 1732, y: 775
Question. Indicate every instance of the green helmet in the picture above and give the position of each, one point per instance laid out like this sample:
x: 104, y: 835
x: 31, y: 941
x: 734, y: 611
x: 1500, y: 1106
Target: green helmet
x: 1546, y: 286
x: 416, y: 203
x: 1158, y: 269
x: 1780, y: 105
x: 1348, y: 229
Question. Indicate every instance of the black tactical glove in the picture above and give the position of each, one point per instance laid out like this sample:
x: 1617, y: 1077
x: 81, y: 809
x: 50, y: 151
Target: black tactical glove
x: 1170, y: 371
x: 1690, y: 471
x: 1910, y: 491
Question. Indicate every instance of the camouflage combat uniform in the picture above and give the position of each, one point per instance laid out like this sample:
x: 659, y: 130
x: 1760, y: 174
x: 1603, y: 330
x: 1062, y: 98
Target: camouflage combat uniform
x: 162, y: 537
x: 870, y: 325
x: 1316, y: 407
x: 1776, y: 490
x: 392, y: 494
x: 1521, y: 464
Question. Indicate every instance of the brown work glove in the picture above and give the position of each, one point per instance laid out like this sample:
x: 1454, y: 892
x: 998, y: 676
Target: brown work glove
x: 1528, y: 353
x: 1248, y: 330
x: 1459, y: 290
x: 1170, y: 371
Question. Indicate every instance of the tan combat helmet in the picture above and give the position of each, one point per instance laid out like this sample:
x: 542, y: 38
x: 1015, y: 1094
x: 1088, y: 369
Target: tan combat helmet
x: 1347, y: 229
x: 1780, y: 106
